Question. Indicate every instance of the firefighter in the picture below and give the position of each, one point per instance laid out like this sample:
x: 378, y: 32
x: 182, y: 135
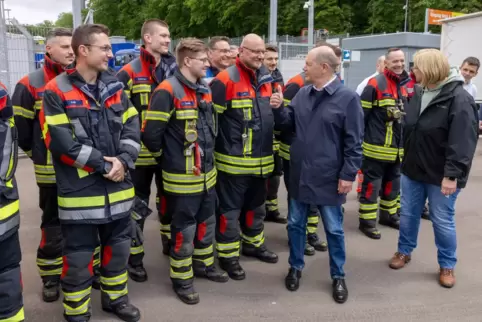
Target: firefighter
x: 219, y: 56
x: 273, y: 182
x: 383, y: 101
x: 27, y: 99
x: 92, y: 131
x: 140, y: 77
x: 11, y: 300
x: 181, y: 120
x: 244, y: 156
x: 313, y: 242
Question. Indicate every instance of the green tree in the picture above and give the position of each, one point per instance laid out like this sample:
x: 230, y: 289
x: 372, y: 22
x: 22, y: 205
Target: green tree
x: 66, y: 19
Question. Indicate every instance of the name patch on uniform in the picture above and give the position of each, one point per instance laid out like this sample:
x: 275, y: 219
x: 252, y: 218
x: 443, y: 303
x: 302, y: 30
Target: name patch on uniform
x: 141, y: 79
x: 386, y: 95
x: 242, y: 94
x: 73, y: 103
x: 187, y: 103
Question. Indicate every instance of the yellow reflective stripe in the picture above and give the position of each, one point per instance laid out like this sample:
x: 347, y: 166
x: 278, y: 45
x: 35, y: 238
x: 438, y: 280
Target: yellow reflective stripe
x: 227, y: 246
x: 242, y: 103
x: 313, y: 220
x: 386, y: 102
x: 28, y: 153
x: 57, y: 119
x: 189, y: 188
x: 229, y: 255
x: 188, y: 178
x: 366, y: 104
x: 244, y: 161
x: 44, y: 169
x: 38, y: 105
x: 77, y: 296
x: 368, y: 216
x: 219, y: 108
x: 121, y: 195
x: 137, y: 250
x: 144, y: 98
x: 180, y: 263
x: 157, y: 116
x: 130, y: 112
x: 286, y: 101
x: 204, y: 251
x: 380, y: 152
x: 257, y: 240
x: 49, y: 262
x: 53, y: 272
x: 9, y: 210
x: 115, y: 280
x: 128, y: 93
x: 182, y: 276
x: 388, y: 204
x: 82, y: 173
x: 20, y: 316
x: 141, y: 88
x: 81, y: 202
x: 244, y: 171
x: 114, y: 295
x: 208, y: 261
x: 389, y: 134
x: 20, y: 111
x: 142, y: 162
x: 368, y: 207
x: 186, y: 114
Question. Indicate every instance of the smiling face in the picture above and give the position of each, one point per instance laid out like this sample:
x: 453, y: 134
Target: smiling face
x: 271, y: 60
x: 157, y: 39
x: 395, y: 61
x: 60, y: 50
x: 98, y: 53
x: 252, y: 51
x: 220, y: 55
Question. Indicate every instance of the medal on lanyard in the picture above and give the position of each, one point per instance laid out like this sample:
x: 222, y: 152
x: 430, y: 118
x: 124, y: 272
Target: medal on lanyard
x: 191, y: 132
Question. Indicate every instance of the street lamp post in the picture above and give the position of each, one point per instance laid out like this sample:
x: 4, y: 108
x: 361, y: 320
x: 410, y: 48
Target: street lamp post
x: 310, y: 5
x: 273, y: 21
x: 406, y: 15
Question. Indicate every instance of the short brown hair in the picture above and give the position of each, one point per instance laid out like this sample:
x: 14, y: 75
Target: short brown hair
x: 272, y: 48
x: 214, y: 40
x: 82, y: 35
x: 58, y: 32
x: 336, y: 49
x: 188, y: 46
x: 147, y: 26
x: 472, y: 61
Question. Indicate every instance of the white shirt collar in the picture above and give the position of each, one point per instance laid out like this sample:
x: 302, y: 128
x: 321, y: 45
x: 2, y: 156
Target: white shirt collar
x: 328, y: 83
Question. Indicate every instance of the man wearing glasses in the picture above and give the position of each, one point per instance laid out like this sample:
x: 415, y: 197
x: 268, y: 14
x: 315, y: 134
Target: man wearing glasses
x: 244, y: 155
x: 219, y: 55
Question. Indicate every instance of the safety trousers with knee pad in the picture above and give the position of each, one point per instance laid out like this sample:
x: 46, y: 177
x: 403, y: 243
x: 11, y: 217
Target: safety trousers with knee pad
x: 78, y: 269
x: 241, y: 214
x: 11, y: 300
x: 192, y: 234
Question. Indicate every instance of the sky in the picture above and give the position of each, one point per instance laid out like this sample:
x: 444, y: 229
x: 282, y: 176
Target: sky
x: 35, y: 11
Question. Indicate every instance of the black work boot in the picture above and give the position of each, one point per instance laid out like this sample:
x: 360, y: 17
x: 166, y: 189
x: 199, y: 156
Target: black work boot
x: 96, y: 281
x: 371, y: 232
x: 425, y: 213
x: 262, y: 253
x: 232, y: 267
x: 137, y: 273
x: 309, y: 250
x: 165, y: 245
x: 51, y: 291
x: 275, y: 216
x: 315, y: 241
x: 392, y: 221
x: 187, y: 294
x: 124, y: 311
x: 212, y: 274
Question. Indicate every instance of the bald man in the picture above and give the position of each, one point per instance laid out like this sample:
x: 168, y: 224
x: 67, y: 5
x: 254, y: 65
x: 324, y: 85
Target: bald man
x: 325, y: 156
x: 379, y: 69
x: 244, y: 155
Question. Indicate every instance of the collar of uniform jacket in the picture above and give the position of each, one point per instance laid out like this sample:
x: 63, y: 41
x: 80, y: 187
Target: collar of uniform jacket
x: 199, y: 87
x: 401, y: 79
x: 51, y: 66
x: 167, y: 63
x: 277, y: 77
x: 331, y: 87
x: 261, y: 76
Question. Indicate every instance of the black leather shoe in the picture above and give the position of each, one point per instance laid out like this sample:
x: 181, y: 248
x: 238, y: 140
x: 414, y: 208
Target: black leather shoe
x: 309, y: 250
x: 137, y: 273
x: 232, y: 267
x: 96, y: 282
x: 372, y: 233
x: 125, y: 311
x: 262, y: 253
x: 275, y: 216
x: 340, y: 292
x: 315, y: 241
x: 292, y: 280
x: 51, y: 291
x: 187, y: 294
x: 212, y: 274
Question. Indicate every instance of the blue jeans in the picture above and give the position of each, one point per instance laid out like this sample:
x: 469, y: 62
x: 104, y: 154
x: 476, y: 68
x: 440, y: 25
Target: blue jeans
x: 442, y: 215
x: 332, y: 217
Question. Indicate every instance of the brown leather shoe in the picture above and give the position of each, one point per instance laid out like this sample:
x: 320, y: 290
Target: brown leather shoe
x: 399, y: 260
x: 447, y: 277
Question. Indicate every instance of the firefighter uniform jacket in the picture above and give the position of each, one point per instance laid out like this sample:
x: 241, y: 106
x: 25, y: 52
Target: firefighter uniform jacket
x: 27, y: 100
x: 244, y: 145
x: 9, y: 204
x: 384, y: 95
x: 140, y: 79
x: 79, y: 139
x: 180, y: 119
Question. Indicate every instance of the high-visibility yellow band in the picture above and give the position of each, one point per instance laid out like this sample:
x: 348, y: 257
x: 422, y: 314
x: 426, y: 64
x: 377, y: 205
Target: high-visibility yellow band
x: 57, y: 119
x: 130, y: 112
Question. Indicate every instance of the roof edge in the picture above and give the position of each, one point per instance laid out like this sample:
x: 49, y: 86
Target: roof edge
x: 467, y: 16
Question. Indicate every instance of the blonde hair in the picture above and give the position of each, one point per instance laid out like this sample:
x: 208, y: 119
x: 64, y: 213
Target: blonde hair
x: 433, y: 65
x: 188, y: 47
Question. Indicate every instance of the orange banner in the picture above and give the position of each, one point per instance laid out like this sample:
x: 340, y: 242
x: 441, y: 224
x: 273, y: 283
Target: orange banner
x: 434, y: 16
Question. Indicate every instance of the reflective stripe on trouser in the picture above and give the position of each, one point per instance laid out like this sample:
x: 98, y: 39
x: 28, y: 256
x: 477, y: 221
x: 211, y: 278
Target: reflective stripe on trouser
x: 49, y: 254
x: 252, y: 226
x: 272, y: 186
x: 11, y: 300
x: 390, y: 198
x: 228, y: 235
x: 192, y: 229
x: 313, y: 221
x: 113, y: 279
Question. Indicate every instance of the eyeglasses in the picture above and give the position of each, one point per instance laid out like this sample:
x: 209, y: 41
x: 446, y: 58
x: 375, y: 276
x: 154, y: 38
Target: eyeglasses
x: 222, y: 51
x: 256, y: 52
x: 105, y: 49
x: 203, y: 60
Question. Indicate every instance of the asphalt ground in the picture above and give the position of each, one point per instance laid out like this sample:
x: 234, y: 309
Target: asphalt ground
x: 376, y: 293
